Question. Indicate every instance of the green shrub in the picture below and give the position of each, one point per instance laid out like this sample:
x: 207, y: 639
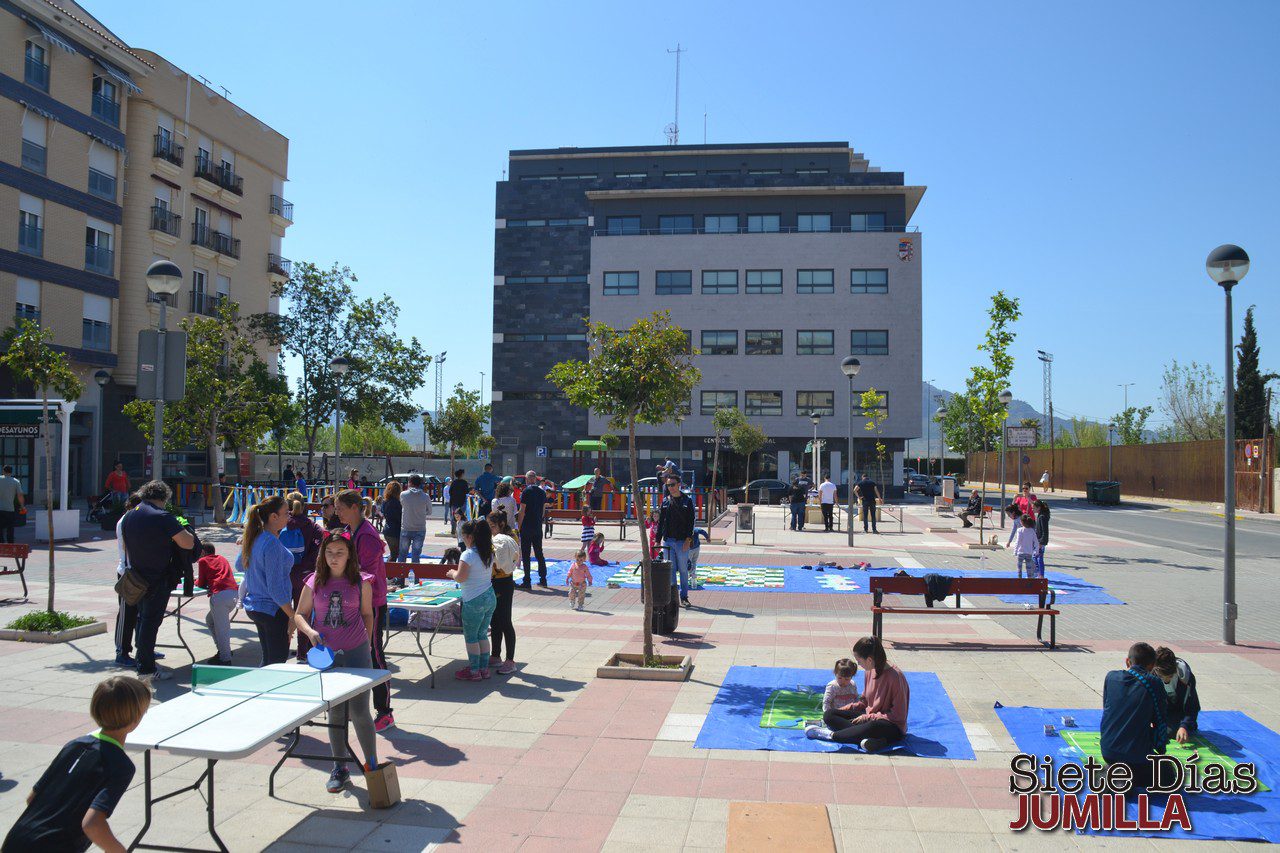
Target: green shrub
x: 43, y: 620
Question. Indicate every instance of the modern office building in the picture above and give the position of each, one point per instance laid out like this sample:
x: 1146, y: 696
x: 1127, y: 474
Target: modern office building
x: 779, y: 259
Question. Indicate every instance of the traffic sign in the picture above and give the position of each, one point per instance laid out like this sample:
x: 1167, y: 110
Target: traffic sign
x: 1020, y: 436
x: 542, y: 451
x: 482, y: 453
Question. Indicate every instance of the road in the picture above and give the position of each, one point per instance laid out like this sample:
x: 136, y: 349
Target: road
x: 1195, y: 533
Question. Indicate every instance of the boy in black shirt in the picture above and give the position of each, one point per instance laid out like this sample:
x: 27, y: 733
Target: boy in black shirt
x: 68, y: 808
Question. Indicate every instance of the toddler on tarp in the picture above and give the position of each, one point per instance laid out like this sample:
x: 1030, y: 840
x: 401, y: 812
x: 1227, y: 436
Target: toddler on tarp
x: 841, y: 692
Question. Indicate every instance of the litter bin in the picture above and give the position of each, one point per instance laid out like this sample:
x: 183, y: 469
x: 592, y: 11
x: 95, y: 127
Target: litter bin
x: 1091, y: 490
x: 1108, y: 492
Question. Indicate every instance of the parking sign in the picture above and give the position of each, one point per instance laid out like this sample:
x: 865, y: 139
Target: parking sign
x: 542, y: 451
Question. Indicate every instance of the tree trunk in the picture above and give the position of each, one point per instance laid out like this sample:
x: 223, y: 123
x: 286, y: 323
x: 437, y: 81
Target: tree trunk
x: 219, y: 511
x: 746, y: 497
x: 715, y: 471
x: 982, y: 516
x: 645, y: 591
x: 48, y: 485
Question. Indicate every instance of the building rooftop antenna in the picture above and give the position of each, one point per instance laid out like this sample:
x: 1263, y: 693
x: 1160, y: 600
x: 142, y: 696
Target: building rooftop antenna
x: 673, y: 129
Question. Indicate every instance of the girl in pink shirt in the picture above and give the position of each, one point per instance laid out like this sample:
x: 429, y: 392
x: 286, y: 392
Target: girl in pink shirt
x: 595, y: 551
x: 579, y: 577
x: 880, y: 717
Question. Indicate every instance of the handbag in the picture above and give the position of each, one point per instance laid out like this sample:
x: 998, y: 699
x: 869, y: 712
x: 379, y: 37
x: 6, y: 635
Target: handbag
x: 131, y: 587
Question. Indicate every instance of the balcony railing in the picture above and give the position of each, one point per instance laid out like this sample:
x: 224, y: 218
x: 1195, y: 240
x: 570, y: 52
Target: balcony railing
x: 106, y: 110
x: 30, y: 239
x: 279, y: 265
x: 225, y: 244
x: 226, y: 178
x: 208, y: 304
x: 834, y: 229
x: 204, y: 168
x: 34, y: 156
x: 36, y: 73
x: 167, y: 149
x: 280, y: 207
x: 102, y: 185
x: 164, y: 221
x: 99, y: 259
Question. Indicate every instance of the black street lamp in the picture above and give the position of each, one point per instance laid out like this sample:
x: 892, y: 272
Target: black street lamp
x: 850, y: 367
x: 1006, y: 397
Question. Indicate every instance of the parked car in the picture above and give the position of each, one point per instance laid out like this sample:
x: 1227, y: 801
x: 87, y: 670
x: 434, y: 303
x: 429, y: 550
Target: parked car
x: 427, y: 480
x: 922, y: 484
x: 776, y: 489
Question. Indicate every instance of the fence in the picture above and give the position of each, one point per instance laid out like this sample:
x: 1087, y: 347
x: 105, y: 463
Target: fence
x: 1188, y: 470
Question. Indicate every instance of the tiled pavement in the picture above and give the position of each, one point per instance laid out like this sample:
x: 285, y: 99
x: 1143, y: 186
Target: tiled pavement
x: 553, y: 758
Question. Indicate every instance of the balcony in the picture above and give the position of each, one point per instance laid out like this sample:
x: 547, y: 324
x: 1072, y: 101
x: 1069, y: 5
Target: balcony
x: 99, y: 259
x: 105, y: 109
x: 164, y: 221
x: 167, y: 149
x: 34, y: 157
x: 278, y: 267
x: 281, y: 209
x: 36, y: 73
x: 225, y: 177
x: 208, y: 304
x: 834, y: 229
x: 30, y: 239
x: 215, y: 241
x: 204, y: 168
x: 102, y: 185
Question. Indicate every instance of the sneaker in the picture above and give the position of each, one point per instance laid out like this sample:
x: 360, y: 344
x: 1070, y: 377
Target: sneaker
x: 506, y: 667
x: 158, y: 655
x: 684, y: 602
x: 464, y: 674
x: 126, y: 661
x: 873, y: 744
x: 817, y: 732
x: 338, y: 779
x: 384, y: 722
x: 217, y: 661
x: 486, y: 673
x: 494, y: 660
x: 543, y: 583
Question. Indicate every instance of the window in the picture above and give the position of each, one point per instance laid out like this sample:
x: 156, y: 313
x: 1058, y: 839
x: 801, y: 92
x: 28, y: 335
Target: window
x: 869, y: 281
x: 521, y: 338
x: 764, y: 171
x: 719, y: 342
x: 764, y: 281
x: 630, y: 176
x: 224, y: 287
x: 764, y: 403
x: 622, y: 225
x: 811, y: 171
x: 36, y: 67
x: 30, y: 232
x: 857, y: 401
x: 558, y: 177
x: 96, y: 326
x: 822, y: 402
x: 688, y: 341
x: 869, y: 342
x: 546, y: 279
x: 719, y: 281
x: 684, y: 174
x: 102, y: 172
x: 720, y: 224
x: 204, y: 160
x: 27, y: 306
x: 105, y: 101
x: 764, y: 342
x: 815, y: 342
x: 532, y: 395
x: 621, y: 284
x: 682, y: 224
x: 711, y: 401
x: 543, y: 223
x: 815, y: 281
x: 97, y: 248
x: 34, y: 128
x: 759, y: 223
x: 866, y: 222
x: 813, y: 222
x: 674, y: 282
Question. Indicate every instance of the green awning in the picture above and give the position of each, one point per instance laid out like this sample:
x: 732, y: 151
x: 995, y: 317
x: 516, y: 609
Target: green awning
x: 591, y: 445
x: 576, y: 483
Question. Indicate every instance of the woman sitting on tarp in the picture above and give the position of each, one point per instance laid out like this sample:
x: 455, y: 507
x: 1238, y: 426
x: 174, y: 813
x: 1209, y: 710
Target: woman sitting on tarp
x: 1180, y: 688
x: 880, y: 717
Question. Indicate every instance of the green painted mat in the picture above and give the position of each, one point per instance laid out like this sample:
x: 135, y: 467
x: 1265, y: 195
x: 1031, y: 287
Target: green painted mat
x: 789, y: 705
x: 1090, y: 743
x: 757, y: 577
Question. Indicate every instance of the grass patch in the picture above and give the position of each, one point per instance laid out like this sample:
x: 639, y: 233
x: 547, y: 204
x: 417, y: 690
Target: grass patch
x: 49, y: 623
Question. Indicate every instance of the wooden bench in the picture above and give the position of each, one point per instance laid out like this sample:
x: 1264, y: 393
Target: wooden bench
x: 19, y: 554
x: 1038, y: 587
x: 422, y: 571
x: 613, y: 517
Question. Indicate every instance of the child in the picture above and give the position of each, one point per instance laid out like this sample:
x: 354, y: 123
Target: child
x: 474, y: 575
x: 1015, y: 519
x: 651, y: 525
x: 1042, y: 533
x: 1026, y: 546
x: 1134, y: 715
x: 579, y: 577
x: 216, y: 577
x: 68, y: 808
x: 588, y: 527
x: 595, y: 551
x: 698, y: 533
x: 451, y: 557
x: 336, y: 611
x: 840, y: 693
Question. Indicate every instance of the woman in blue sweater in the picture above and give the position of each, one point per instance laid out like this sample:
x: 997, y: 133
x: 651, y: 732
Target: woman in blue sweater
x: 266, y: 563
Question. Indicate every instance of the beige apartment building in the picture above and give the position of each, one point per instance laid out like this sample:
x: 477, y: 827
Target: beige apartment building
x: 111, y: 158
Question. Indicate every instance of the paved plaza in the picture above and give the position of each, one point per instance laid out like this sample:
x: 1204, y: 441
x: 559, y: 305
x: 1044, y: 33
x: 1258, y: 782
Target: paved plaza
x: 552, y: 758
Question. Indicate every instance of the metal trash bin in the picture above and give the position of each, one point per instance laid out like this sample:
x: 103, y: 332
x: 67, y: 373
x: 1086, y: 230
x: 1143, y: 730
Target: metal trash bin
x: 1108, y: 492
x: 1091, y: 490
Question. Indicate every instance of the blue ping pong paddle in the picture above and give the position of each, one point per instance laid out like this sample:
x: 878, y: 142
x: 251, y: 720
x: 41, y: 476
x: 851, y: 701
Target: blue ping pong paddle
x: 788, y: 724
x: 320, y: 657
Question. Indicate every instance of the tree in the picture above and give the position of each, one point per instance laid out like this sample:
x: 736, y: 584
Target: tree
x: 876, y: 412
x: 1031, y: 422
x: 724, y: 420
x: 30, y: 358
x: 961, y: 426
x: 987, y: 381
x: 283, y: 420
x: 642, y: 374
x: 324, y: 320
x: 610, y: 442
x: 1251, y: 383
x: 1191, y: 398
x: 1131, y: 424
x: 460, y: 424
x: 230, y: 394
x: 746, y: 438
x: 1086, y: 433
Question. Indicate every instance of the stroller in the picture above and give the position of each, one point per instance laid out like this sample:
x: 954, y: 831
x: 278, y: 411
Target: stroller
x: 101, y: 509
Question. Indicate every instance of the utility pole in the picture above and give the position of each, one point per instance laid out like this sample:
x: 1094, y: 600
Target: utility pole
x: 1046, y: 358
x: 439, y: 382
x: 1125, y: 386
x: 1264, y: 468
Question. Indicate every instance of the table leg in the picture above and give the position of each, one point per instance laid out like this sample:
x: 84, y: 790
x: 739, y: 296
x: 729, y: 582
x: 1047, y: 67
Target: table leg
x: 271, y: 780
x: 426, y: 655
x: 205, y: 779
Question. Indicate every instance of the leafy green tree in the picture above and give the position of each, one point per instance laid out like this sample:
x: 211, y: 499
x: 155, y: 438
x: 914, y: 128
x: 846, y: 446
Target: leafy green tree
x: 1088, y: 433
x: 610, y: 441
x: 322, y: 319
x: 724, y: 420
x: 461, y: 423
x: 1131, y: 424
x: 1251, y: 383
x: 641, y: 374
x: 31, y: 359
x: 746, y: 438
x: 1191, y: 397
x: 283, y: 420
x: 876, y: 413
x: 987, y: 381
x: 961, y: 426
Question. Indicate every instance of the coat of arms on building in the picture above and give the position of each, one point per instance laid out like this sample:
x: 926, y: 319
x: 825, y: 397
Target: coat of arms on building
x: 906, y: 250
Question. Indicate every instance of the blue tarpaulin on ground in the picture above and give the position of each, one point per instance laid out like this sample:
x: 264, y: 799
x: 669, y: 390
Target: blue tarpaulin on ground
x: 1241, y: 817
x: 934, y: 729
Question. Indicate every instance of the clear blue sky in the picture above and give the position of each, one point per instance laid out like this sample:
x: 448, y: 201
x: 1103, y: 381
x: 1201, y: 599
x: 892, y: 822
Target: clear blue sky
x: 1084, y: 157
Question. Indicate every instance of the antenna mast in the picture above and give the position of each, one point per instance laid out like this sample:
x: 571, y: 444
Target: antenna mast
x: 673, y: 129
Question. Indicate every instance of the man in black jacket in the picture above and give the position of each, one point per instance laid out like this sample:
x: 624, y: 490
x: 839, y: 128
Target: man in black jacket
x: 974, y: 507
x: 155, y: 542
x: 675, y: 532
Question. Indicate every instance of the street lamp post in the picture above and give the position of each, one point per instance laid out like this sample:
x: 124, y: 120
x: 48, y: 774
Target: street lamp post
x: 814, y: 418
x: 1226, y: 265
x: 426, y: 417
x: 542, y: 426
x: 850, y: 367
x: 1005, y: 398
x: 942, y: 468
x: 163, y: 280
x: 339, y: 367
x: 680, y: 454
x: 1111, y: 431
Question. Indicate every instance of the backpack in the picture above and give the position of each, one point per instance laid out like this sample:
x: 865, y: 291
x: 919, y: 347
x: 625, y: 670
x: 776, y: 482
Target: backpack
x: 292, y: 538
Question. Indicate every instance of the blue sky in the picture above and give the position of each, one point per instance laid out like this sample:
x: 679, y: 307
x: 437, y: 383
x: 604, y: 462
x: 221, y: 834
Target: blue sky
x: 1084, y: 157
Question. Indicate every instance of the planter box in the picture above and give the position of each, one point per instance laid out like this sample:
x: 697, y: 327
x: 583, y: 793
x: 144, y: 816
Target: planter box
x: 628, y: 666
x: 66, y: 524
x: 56, y: 637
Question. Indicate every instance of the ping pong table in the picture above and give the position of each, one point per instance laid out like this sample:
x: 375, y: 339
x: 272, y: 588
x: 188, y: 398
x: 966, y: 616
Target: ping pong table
x: 425, y: 597
x: 232, y: 712
x: 178, y: 600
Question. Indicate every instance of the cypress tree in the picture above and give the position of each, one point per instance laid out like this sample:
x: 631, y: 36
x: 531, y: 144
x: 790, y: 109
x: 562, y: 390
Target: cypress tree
x: 1251, y: 393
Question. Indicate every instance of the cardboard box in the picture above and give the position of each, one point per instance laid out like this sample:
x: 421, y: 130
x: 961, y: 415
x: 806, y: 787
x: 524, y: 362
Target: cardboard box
x: 383, y: 786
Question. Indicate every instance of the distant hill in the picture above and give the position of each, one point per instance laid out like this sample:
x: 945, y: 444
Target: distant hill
x: 1018, y: 409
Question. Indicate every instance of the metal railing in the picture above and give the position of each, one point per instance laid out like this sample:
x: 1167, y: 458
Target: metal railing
x: 165, y: 221
x: 106, y: 109
x: 101, y: 184
x: 834, y: 229
x: 280, y: 207
x: 34, y: 156
x: 206, y: 303
x: 225, y: 177
x: 279, y: 265
x: 99, y: 259
x: 204, y: 168
x: 36, y: 73
x: 167, y: 149
x: 30, y: 239
x: 225, y: 244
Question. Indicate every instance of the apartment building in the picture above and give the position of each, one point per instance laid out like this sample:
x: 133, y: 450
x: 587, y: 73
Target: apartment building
x: 779, y: 260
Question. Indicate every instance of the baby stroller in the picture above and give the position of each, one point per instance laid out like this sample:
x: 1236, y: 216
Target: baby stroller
x: 101, y: 509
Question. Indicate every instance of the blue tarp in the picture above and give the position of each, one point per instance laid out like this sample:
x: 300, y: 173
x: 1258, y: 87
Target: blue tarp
x: 1251, y: 817
x: 934, y: 729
